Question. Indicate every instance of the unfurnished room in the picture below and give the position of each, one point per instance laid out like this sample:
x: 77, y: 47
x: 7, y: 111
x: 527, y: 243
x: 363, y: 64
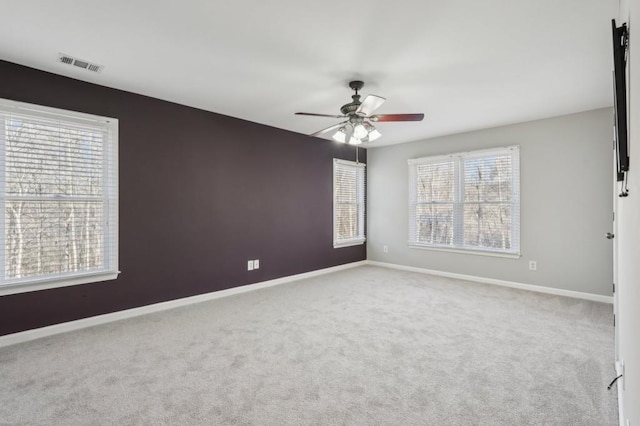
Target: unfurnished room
x: 320, y: 213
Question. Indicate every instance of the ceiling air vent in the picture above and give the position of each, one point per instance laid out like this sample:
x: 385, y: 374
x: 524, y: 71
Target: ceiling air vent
x: 85, y: 65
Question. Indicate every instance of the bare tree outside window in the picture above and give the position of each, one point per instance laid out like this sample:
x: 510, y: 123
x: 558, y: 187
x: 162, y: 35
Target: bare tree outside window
x: 487, y: 201
x: 346, y: 200
x: 467, y: 201
x: 434, y: 206
x: 58, y: 197
x: 53, y: 204
x: 348, y: 203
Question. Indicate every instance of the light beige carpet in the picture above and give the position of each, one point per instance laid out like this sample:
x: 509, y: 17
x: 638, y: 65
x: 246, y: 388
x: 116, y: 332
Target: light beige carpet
x: 363, y: 346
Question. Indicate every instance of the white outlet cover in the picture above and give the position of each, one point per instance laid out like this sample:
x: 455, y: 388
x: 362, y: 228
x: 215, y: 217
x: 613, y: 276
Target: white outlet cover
x: 256, y: 264
x: 250, y: 265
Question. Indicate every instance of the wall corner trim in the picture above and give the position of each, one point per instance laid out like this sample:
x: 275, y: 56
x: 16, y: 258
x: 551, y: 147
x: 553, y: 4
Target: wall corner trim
x: 512, y: 284
x: 51, y: 330
x: 620, y: 387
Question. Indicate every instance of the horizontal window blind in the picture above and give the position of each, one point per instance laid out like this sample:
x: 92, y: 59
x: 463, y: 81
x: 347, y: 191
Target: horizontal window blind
x: 58, y: 192
x: 467, y: 201
x: 348, y: 203
x: 433, y: 202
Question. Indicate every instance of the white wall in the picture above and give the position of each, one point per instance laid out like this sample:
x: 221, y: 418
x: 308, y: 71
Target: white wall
x: 629, y: 231
x: 566, y: 205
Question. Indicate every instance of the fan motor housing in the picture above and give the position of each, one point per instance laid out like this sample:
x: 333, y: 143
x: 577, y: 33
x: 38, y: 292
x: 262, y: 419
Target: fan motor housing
x: 350, y: 108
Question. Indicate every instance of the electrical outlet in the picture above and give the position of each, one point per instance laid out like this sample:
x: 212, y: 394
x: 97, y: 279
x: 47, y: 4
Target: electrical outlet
x: 256, y: 264
x: 250, y: 265
x: 533, y: 265
x: 385, y: 249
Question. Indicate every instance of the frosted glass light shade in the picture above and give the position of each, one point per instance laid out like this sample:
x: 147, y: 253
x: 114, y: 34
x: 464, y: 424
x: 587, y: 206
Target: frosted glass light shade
x: 340, y: 136
x: 373, y: 135
x: 359, y: 131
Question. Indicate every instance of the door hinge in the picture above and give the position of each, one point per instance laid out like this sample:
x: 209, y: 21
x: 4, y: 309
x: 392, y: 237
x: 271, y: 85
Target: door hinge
x: 614, y: 287
x: 614, y: 320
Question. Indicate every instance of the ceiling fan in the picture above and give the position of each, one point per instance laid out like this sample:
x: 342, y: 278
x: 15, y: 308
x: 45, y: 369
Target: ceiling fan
x: 358, y: 128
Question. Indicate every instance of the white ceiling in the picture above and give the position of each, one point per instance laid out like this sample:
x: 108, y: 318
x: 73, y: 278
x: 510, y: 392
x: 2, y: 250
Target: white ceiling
x: 466, y: 64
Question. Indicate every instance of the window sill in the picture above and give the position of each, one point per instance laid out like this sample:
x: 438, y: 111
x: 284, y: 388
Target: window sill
x: 349, y: 243
x: 48, y: 283
x: 466, y: 251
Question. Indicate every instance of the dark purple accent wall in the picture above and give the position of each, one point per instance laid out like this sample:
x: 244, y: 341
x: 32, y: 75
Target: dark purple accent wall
x: 200, y: 194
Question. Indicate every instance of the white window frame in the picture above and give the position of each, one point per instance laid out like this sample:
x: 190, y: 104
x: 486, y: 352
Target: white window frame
x: 110, y: 199
x: 360, y: 201
x: 458, y: 203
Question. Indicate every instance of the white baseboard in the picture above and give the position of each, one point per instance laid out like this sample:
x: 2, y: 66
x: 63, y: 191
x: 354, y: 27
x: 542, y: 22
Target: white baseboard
x: 25, y: 336
x: 512, y: 284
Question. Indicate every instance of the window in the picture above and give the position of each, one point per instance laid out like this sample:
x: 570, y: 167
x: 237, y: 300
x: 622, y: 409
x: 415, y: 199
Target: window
x: 59, y: 197
x: 466, y: 201
x: 348, y: 203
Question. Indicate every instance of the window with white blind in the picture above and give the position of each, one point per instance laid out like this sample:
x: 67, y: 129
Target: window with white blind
x: 466, y: 201
x: 59, y: 197
x: 348, y: 203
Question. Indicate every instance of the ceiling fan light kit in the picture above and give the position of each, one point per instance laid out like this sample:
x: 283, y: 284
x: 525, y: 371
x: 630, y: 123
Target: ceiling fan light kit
x: 361, y: 133
x: 358, y: 128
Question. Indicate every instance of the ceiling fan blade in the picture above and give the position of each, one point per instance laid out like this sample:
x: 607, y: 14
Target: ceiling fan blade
x: 328, y: 129
x: 397, y: 117
x: 370, y: 104
x: 319, y: 115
